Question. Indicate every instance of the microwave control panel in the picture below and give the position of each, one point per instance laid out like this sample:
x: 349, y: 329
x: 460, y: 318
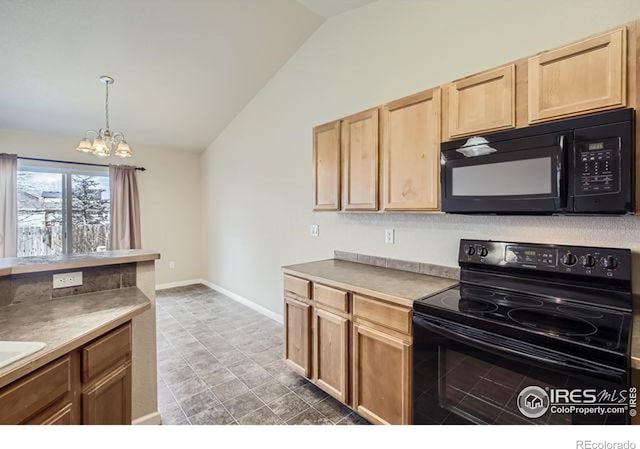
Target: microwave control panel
x: 598, y: 167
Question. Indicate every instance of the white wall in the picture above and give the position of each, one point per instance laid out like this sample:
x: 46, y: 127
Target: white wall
x: 169, y: 196
x: 257, y: 187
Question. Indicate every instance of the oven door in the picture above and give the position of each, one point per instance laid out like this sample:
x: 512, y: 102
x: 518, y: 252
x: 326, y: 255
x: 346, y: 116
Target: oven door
x: 466, y: 376
x: 521, y: 176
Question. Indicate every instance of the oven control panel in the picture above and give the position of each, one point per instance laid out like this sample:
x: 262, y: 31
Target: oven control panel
x: 598, y: 167
x: 612, y: 263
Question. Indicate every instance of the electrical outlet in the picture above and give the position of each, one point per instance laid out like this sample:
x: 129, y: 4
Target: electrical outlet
x: 389, y: 236
x: 314, y: 230
x: 64, y: 280
x: 172, y: 265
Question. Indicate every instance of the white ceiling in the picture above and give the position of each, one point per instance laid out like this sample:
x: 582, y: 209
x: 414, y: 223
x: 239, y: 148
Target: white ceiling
x: 329, y: 8
x: 183, y: 68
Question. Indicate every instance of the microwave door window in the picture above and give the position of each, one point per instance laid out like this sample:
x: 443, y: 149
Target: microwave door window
x: 518, y: 178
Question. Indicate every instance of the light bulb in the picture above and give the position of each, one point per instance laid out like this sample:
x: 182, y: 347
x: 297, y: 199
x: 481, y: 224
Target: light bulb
x: 100, y: 148
x: 123, y: 150
x: 85, y: 146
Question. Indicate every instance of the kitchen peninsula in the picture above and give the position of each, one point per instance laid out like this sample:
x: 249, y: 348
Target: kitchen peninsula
x: 98, y: 363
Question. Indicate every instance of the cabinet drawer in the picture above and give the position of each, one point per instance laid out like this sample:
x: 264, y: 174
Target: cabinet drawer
x: 300, y: 287
x: 58, y: 416
x: 106, y: 352
x: 35, y: 392
x: 387, y: 315
x: 331, y: 297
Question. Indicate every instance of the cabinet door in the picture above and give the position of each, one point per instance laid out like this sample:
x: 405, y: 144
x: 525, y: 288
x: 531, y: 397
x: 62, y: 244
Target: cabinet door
x: 381, y: 376
x: 360, y: 161
x: 481, y: 103
x: 108, y: 400
x: 586, y: 76
x: 411, y: 152
x: 331, y: 352
x: 296, y: 336
x: 326, y: 166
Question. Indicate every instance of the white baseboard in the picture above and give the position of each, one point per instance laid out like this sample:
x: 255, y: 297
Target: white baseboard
x: 152, y: 419
x: 242, y: 300
x: 178, y: 284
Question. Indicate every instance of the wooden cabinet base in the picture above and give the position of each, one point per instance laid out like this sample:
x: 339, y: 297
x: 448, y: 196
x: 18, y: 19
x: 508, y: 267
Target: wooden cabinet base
x: 90, y: 385
x: 355, y: 348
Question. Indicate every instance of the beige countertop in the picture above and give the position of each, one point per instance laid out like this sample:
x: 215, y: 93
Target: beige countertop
x: 65, y: 324
x: 21, y: 265
x: 402, y: 287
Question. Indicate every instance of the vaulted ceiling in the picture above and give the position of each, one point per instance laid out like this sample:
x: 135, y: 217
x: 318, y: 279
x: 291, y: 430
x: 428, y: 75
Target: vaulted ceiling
x: 329, y: 8
x: 183, y: 68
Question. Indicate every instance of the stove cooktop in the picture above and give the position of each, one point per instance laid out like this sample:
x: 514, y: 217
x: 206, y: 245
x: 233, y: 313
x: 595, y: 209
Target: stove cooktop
x: 504, y: 311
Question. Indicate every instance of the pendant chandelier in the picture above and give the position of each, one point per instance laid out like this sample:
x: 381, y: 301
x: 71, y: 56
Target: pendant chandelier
x: 104, y: 142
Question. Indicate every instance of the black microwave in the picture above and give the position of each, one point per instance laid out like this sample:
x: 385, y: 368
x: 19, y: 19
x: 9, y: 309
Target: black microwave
x: 576, y: 166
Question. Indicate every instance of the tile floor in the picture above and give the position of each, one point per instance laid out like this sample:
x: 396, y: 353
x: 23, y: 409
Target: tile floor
x: 220, y: 362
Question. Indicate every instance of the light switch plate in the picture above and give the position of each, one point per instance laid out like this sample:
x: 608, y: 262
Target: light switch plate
x: 64, y: 280
x: 314, y: 230
x: 389, y: 236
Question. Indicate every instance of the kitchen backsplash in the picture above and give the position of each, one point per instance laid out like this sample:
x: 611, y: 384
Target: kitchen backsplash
x: 403, y: 265
x: 37, y: 287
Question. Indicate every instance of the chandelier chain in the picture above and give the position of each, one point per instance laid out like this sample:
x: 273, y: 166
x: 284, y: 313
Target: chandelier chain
x: 106, y: 104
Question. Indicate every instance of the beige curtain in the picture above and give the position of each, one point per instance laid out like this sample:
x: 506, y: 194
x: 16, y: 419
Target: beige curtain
x: 125, y: 208
x: 8, y: 205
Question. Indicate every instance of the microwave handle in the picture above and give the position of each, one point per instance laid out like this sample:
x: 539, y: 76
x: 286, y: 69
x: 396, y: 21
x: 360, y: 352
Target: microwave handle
x: 482, y: 341
x: 561, y: 169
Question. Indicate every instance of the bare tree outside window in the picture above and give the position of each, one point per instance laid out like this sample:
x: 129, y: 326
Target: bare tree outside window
x: 90, y: 214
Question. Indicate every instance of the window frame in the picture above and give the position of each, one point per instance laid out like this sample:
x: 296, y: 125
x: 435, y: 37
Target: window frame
x: 67, y: 171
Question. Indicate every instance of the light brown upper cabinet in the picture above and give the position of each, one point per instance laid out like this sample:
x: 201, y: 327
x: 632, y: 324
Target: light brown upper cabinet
x: 326, y: 166
x: 481, y: 103
x: 360, y: 161
x: 583, y: 77
x: 411, y: 152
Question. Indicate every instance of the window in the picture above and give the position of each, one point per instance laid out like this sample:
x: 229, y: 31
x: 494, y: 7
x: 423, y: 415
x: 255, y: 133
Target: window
x: 62, y: 209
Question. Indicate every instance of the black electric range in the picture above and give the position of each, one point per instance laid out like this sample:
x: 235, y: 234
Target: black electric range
x: 523, y: 315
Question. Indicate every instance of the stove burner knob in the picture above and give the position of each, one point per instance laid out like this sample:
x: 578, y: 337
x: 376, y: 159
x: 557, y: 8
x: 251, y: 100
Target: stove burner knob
x: 471, y: 251
x: 483, y: 252
x: 609, y: 262
x: 569, y: 259
x: 588, y: 261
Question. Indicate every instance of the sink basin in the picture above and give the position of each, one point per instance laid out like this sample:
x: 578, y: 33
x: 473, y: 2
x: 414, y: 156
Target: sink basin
x: 12, y: 351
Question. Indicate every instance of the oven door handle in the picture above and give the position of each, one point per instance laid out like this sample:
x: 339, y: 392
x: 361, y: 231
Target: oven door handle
x: 562, y: 169
x: 497, y: 344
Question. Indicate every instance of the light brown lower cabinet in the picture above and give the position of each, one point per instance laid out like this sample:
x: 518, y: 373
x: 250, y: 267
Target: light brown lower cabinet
x: 108, y: 401
x: 381, y: 376
x: 355, y: 348
x: 61, y: 392
x: 297, y: 336
x: 331, y: 353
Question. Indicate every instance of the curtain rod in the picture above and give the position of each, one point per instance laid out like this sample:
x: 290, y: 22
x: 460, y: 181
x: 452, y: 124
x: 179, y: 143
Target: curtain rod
x: 70, y: 162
